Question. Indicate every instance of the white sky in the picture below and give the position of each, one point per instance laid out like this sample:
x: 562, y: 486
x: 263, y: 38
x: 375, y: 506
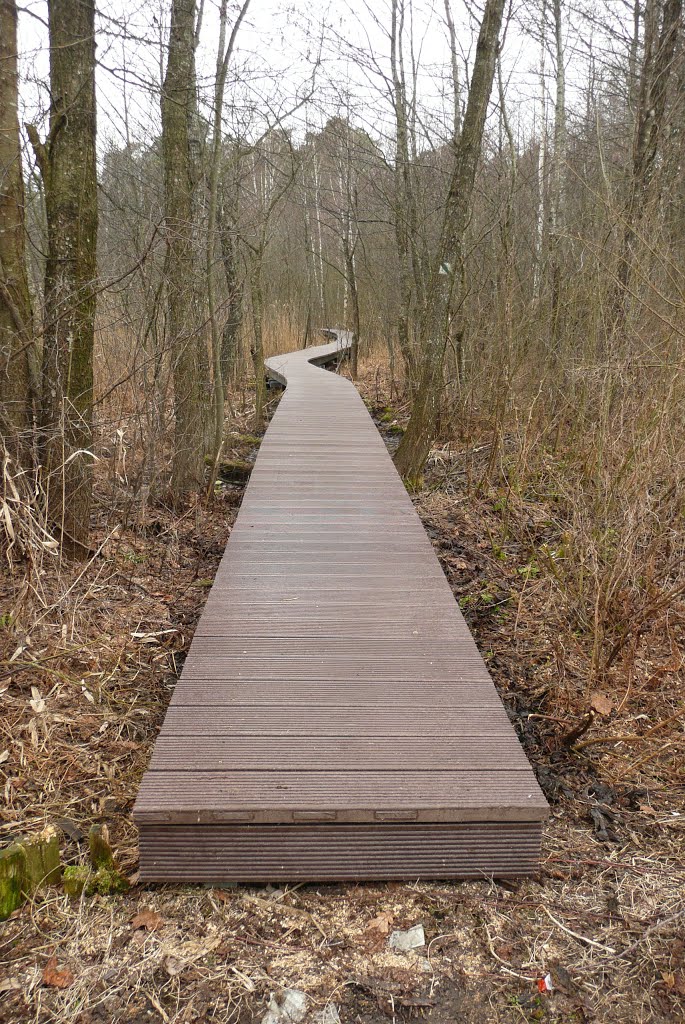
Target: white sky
x: 279, y: 45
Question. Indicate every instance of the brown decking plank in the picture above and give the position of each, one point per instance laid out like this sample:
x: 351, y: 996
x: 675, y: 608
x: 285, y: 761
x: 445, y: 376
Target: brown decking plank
x: 356, y: 796
x: 336, y: 649
x: 302, y: 750
x: 332, y: 678
x: 299, y: 853
x: 216, y: 667
x: 349, y: 693
x: 419, y: 722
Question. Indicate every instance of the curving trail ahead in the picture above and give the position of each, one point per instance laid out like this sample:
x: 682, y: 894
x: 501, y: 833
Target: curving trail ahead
x: 334, y: 719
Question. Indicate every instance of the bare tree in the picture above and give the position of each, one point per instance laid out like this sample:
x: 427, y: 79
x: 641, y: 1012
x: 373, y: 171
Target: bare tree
x: 442, y: 309
x: 187, y: 339
x: 557, y: 199
x: 227, y: 217
x: 405, y: 212
x: 661, y: 25
x: 224, y: 52
x: 270, y: 177
x: 67, y: 162
x: 16, y: 329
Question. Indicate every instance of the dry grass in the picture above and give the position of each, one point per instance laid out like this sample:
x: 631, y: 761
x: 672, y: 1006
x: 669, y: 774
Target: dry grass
x: 217, y: 954
x: 86, y: 674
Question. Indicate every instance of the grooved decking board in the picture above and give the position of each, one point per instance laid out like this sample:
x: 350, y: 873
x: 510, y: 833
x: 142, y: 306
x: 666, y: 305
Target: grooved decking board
x: 329, y: 853
x: 325, y: 669
x: 334, y: 718
x: 301, y: 750
x: 347, y: 693
x: 245, y: 720
x: 265, y: 797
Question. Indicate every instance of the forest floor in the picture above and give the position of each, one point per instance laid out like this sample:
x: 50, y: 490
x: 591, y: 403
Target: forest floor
x: 85, y: 677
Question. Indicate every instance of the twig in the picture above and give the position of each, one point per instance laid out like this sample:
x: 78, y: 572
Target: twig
x: 650, y: 931
x: 648, y: 757
x: 631, y: 738
x: 505, y: 965
x: 598, y: 863
x: 158, y: 1006
x: 569, y: 739
x: 575, y: 935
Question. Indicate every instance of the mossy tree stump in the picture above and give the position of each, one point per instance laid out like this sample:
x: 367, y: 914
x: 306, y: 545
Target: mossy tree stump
x: 27, y: 866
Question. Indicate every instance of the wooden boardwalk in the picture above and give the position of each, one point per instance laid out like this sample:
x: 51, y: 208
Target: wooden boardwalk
x: 334, y: 719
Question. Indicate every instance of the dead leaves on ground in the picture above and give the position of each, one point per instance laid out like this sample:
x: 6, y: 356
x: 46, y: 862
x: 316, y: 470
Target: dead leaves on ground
x: 377, y: 930
x: 602, y: 704
x: 55, y: 977
x: 148, y: 920
x: 674, y: 982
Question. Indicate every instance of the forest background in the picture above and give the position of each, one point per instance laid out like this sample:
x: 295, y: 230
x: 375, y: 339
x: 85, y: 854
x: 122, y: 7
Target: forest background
x: 492, y: 198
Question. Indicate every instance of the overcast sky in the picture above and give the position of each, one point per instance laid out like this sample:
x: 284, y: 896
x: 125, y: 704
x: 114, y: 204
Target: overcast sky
x: 335, y: 52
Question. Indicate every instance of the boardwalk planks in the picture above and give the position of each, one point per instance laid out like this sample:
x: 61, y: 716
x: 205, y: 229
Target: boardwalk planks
x: 334, y: 719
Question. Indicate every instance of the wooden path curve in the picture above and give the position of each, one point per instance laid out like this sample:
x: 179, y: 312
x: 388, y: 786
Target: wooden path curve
x: 334, y: 719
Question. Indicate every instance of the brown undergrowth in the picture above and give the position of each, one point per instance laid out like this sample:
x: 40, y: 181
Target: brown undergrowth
x: 85, y: 677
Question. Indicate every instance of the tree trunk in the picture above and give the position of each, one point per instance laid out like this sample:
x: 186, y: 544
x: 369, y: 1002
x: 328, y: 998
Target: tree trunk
x: 222, y: 60
x: 257, y: 347
x: 454, y: 64
x: 403, y: 214
x: 557, y: 199
x: 186, y: 337
x: 441, y: 313
x: 351, y: 278
x: 234, y: 315
x: 538, y: 272
x: 16, y: 330
x: 662, y: 21
x: 68, y: 165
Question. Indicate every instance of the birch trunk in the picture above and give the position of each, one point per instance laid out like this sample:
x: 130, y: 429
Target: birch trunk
x: 557, y: 199
x: 222, y: 61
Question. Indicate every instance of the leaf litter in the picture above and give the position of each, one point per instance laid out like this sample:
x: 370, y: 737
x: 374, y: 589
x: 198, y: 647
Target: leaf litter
x: 221, y: 954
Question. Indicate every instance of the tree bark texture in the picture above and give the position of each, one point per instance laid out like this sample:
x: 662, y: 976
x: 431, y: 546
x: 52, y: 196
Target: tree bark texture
x: 441, y: 315
x: 230, y: 334
x: 68, y: 165
x: 16, y: 331
x: 662, y: 20
x: 184, y: 318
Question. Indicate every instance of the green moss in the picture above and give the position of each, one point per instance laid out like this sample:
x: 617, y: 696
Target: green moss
x: 27, y: 866
x: 106, y: 882
x: 235, y: 471
x: 243, y: 440
x: 12, y: 866
x: 74, y: 879
x: 42, y: 859
x: 101, y: 855
x: 414, y: 484
x: 106, y: 878
x: 78, y: 879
